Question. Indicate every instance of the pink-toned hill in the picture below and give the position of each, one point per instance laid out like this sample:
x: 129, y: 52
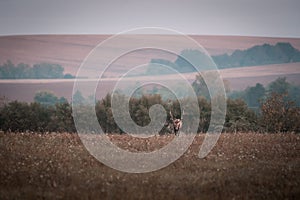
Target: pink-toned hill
x: 70, y: 50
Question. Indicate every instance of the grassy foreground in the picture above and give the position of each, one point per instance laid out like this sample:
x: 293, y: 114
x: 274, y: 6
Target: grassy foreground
x: 241, y: 166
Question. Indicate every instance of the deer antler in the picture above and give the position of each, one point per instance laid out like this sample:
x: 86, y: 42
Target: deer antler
x: 171, y: 115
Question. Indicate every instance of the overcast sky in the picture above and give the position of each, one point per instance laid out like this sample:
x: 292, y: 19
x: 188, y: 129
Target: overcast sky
x: 205, y: 17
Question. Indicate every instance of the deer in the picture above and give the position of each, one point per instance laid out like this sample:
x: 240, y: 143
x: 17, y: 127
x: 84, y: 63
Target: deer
x: 177, y: 123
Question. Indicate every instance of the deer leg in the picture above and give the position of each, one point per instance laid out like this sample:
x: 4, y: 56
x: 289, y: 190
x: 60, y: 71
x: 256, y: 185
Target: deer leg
x: 175, y: 130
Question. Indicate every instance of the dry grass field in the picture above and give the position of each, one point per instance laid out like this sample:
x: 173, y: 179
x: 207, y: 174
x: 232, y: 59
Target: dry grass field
x: 241, y: 166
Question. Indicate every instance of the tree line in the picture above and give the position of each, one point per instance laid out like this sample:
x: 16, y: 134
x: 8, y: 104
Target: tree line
x: 38, y: 71
x: 265, y: 54
x: 254, y: 95
x: 277, y: 112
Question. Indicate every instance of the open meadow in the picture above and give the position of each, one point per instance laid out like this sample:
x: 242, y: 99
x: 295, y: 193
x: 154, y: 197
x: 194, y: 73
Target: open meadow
x: 40, y: 159
x: 240, y: 166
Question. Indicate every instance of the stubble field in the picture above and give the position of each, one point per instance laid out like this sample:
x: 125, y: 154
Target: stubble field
x: 240, y: 166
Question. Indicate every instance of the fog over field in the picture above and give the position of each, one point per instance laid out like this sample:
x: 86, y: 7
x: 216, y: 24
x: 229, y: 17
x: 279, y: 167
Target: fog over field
x: 238, y: 78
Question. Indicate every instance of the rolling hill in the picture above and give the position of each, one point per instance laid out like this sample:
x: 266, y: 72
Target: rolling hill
x: 69, y: 51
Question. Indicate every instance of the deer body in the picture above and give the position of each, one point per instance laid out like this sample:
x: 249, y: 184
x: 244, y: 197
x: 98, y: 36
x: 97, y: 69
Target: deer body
x: 177, y: 123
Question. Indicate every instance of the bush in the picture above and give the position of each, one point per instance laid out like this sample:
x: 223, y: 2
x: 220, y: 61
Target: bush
x: 239, y: 117
x: 279, y: 114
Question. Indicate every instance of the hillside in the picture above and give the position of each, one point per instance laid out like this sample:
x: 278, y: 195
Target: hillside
x: 69, y: 51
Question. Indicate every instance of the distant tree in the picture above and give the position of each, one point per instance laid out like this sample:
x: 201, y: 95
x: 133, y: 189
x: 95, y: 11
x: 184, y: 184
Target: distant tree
x: 227, y: 86
x: 237, y: 94
x: 282, y: 86
x: 78, y: 98
x: 294, y: 93
x: 222, y: 61
x: 200, y: 87
x: 7, y: 70
x: 159, y: 69
x: 46, y: 70
x: 68, y: 76
x: 259, y: 55
x: 190, y: 57
x: 47, y: 98
x: 279, y: 86
x: 39, y: 71
x: 21, y: 71
x: 253, y: 95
